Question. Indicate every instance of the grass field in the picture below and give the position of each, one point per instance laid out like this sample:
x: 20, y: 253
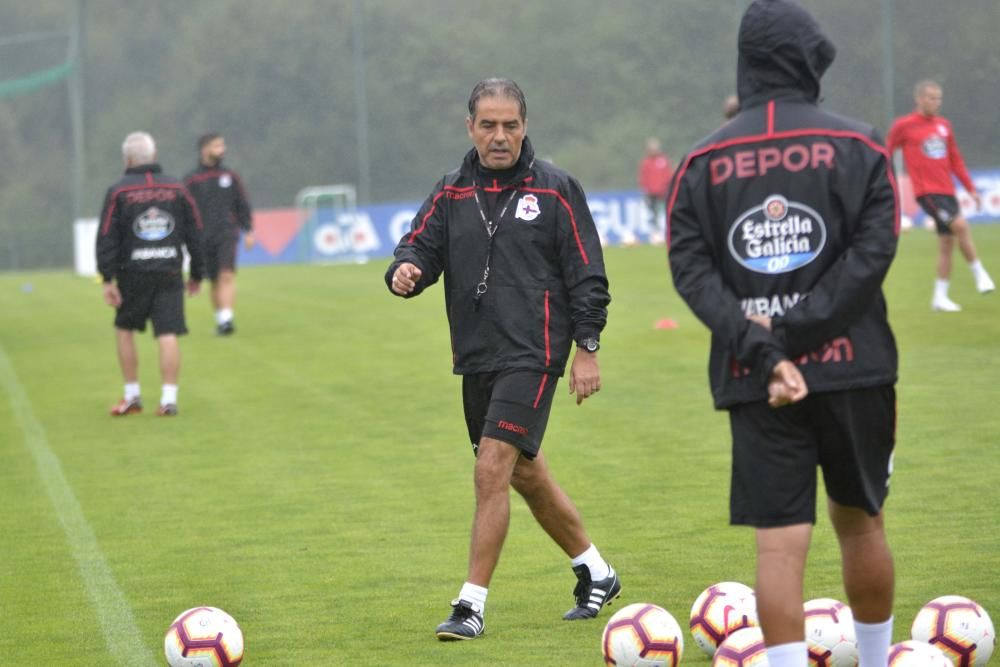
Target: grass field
x: 317, y: 483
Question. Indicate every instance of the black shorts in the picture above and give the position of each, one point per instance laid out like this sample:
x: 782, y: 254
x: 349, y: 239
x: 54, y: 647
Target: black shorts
x: 850, y: 435
x: 220, y: 253
x: 512, y: 406
x: 156, y: 296
x: 943, y: 208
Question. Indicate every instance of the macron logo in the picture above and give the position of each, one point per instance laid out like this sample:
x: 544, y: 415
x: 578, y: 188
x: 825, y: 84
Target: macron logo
x: 516, y: 428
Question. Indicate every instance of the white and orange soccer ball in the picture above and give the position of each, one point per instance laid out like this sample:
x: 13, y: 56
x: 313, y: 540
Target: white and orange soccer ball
x: 830, y: 635
x: 720, y: 610
x: 742, y: 648
x: 204, y: 637
x: 912, y: 653
x: 959, y: 627
x: 642, y: 635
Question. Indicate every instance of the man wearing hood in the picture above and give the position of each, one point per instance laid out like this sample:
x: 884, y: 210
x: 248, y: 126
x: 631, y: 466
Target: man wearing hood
x: 781, y: 228
x: 524, y: 279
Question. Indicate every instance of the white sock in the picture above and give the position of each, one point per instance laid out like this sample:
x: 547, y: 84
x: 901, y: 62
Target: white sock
x: 794, y: 654
x: 873, y: 642
x: 169, y: 394
x: 474, y: 594
x: 223, y: 315
x: 131, y: 390
x: 599, y: 568
x: 941, y: 289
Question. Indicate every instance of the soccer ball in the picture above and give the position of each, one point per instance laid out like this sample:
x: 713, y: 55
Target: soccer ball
x: 720, y: 610
x: 959, y: 627
x: 642, y: 635
x: 830, y: 634
x: 912, y: 653
x: 204, y: 637
x: 742, y: 648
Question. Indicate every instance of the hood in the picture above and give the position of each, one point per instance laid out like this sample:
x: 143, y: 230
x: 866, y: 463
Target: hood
x: 781, y: 48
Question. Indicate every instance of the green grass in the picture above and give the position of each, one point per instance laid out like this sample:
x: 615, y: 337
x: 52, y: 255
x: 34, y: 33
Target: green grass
x: 317, y: 483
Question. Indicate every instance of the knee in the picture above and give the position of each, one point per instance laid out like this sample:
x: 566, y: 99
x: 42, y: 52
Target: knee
x: 526, y: 482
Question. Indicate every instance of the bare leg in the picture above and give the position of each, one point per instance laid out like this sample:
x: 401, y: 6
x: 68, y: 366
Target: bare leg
x: 170, y: 358
x: 781, y: 560
x: 128, y: 358
x: 867, y: 562
x: 552, y: 508
x: 945, y: 244
x: 961, y: 229
x: 224, y: 290
x: 495, y: 463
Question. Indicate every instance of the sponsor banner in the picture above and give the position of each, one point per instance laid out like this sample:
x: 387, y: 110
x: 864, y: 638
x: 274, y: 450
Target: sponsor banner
x: 328, y: 235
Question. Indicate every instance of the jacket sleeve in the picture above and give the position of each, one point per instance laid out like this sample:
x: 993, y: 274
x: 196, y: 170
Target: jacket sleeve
x: 895, y: 139
x: 192, y: 235
x: 582, y: 263
x: 425, y: 245
x: 958, y: 164
x: 843, y: 294
x: 244, y: 217
x: 109, y: 238
x: 698, y: 279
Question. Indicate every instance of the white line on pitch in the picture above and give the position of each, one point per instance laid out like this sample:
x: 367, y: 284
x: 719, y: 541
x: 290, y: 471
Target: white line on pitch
x: 113, y: 610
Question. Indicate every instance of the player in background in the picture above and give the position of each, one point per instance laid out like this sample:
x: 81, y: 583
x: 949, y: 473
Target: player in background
x: 524, y: 278
x: 653, y: 176
x: 782, y: 226
x: 225, y: 210
x: 931, y: 155
x: 147, y: 216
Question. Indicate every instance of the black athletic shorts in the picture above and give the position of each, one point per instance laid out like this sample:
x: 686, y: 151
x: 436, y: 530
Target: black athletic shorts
x: 943, y: 208
x: 152, y: 295
x: 220, y: 253
x: 512, y: 406
x: 850, y: 435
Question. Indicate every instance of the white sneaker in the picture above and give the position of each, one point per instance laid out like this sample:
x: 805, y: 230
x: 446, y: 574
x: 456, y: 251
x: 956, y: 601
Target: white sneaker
x: 945, y: 304
x: 984, y: 283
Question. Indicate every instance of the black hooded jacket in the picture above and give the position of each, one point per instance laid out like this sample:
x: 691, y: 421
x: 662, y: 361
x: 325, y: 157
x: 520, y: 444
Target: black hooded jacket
x: 787, y: 211
x: 546, y: 284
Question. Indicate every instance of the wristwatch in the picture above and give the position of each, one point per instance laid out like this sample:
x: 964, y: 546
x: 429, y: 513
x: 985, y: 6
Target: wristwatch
x: 590, y: 344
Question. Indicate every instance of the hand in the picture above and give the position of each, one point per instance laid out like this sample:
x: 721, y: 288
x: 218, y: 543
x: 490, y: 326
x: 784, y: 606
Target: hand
x: 193, y: 286
x: 786, y: 385
x: 762, y: 320
x: 404, y: 280
x: 112, y: 296
x: 978, y: 199
x: 249, y: 240
x: 584, y: 375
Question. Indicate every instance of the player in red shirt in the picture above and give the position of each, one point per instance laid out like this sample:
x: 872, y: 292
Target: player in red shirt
x: 654, y: 173
x: 932, y: 156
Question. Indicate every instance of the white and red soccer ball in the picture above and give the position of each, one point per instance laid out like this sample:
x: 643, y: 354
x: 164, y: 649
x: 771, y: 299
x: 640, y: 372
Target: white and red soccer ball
x: 742, y: 648
x: 959, y: 627
x: 913, y: 653
x: 204, y: 637
x: 642, y: 635
x: 830, y: 637
x: 720, y: 610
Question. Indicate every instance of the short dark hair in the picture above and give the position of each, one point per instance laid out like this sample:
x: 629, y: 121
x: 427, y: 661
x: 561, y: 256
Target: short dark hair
x: 207, y: 138
x: 495, y: 87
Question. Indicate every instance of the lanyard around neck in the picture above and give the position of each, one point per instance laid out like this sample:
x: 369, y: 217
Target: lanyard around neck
x: 491, y: 230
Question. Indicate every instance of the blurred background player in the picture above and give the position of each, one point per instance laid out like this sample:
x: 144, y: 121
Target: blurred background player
x: 931, y: 155
x: 653, y: 176
x: 146, y: 218
x: 225, y: 210
x: 756, y: 222
x: 519, y: 252
x: 730, y: 106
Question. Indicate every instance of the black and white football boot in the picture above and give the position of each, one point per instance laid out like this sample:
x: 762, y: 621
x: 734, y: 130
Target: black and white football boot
x: 591, y: 596
x: 466, y: 622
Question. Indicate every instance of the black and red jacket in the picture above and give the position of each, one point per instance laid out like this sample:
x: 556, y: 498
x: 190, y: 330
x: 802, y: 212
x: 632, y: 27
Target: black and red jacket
x: 546, y: 286
x: 146, y: 219
x: 787, y: 211
x: 222, y: 200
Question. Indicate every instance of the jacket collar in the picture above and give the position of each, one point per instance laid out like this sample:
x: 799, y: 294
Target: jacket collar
x: 472, y: 168
x: 150, y: 167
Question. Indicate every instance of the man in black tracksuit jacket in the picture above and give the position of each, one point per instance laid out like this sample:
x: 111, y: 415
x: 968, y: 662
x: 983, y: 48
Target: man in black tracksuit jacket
x: 524, y: 278
x: 782, y: 226
x: 146, y: 221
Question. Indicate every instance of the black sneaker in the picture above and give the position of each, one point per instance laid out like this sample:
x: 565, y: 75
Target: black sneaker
x: 592, y: 595
x: 465, y: 622
x: 225, y: 329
